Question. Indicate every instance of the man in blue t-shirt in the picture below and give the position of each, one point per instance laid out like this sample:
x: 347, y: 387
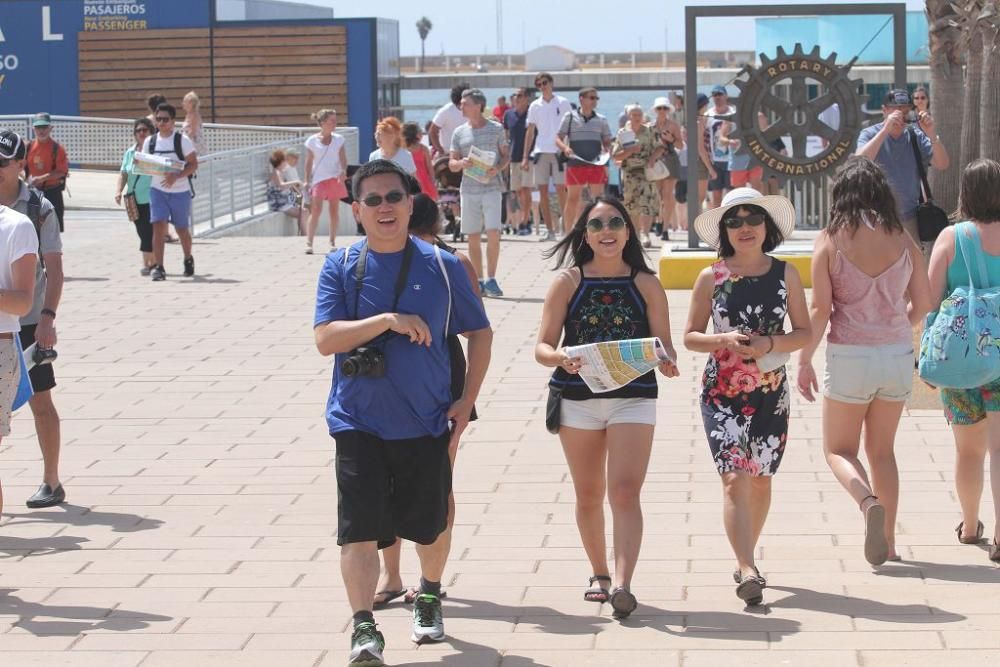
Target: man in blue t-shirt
x: 390, y: 419
x: 515, y: 124
x: 889, y: 144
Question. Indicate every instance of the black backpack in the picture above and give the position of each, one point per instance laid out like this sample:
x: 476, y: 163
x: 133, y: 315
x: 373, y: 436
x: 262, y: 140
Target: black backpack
x: 151, y: 149
x: 35, y: 215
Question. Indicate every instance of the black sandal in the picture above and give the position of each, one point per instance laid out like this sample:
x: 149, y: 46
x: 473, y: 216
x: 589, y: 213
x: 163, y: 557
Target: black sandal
x: 751, y: 590
x: 623, y: 603
x: 970, y: 540
x: 737, y: 577
x: 597, y: 593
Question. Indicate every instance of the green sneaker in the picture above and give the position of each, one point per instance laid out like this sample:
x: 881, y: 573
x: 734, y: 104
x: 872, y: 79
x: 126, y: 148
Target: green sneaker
x: 428, y: 624
x: 367, y: 644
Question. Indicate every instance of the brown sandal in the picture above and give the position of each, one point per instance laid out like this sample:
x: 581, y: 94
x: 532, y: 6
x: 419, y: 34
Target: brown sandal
x: 970, y: 540
x: 596, y: 592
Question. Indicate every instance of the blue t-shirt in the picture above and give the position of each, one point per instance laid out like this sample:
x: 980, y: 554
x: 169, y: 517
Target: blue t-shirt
x: 517, y: 126
x: 896, y: 158
x: 413, y: 397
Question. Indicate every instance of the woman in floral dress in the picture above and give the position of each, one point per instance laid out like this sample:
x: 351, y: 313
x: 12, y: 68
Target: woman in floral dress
x: 745, y: 396
x: 636, y: 147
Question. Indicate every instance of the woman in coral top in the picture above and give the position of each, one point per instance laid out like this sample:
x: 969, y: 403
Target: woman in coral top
x: 412, y: 135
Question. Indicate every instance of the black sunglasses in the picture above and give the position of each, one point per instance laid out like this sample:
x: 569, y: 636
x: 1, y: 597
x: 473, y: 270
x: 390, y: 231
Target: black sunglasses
x: 541, y: 84
x: 163, y: 119
x: 5, y: 162
x: 614, y: 224
x: 593, y: 97
x: 735, y: 222
x: 140, y: 129
x: 393, y: 197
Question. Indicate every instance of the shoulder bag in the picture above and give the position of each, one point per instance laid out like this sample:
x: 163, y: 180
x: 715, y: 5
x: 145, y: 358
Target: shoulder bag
x: 131, y: 205
x: 960, y: 346
x: 931, y: 218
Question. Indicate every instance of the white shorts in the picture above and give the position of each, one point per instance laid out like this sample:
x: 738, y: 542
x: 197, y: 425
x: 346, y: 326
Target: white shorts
x: 546, y: 167
x: 481, y: 212
x: 596, y: 414
x: 861, y: 373
x: 10, y: 378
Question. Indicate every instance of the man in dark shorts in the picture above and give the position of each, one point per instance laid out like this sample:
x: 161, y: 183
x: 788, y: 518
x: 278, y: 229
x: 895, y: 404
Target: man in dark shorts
x: 385, y: 307
x: 38, y: 326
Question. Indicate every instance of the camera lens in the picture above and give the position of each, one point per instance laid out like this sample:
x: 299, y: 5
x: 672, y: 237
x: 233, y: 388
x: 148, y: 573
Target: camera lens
x: 349, y: 368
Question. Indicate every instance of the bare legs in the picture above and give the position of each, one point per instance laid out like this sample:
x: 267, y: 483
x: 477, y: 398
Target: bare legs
x: 746, y: 501
x: 972, y: 444
x: 623, y: 452
x: 47, y: 428
x: 668, y: 205
x: 574, y: 204
x: 315, y: 211
x: 842, y: 423
x: 160, y: 239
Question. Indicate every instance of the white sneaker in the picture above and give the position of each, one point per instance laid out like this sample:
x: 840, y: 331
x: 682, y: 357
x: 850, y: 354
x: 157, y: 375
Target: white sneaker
x: 428, y: 623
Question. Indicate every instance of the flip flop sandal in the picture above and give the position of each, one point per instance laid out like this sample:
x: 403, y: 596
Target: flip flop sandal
x: 970, y: 540
x: 387, y: 597
x: 876, y: 547
x: 995, y: 552
x: 597, y: 593
x: 623, y: 603
x: 410, y: 594
x: 738, y: 578
x: 751, y: 591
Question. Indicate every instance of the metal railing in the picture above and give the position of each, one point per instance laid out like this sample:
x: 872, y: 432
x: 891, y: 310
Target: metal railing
x: 812, y: 202
x: 100, y: 142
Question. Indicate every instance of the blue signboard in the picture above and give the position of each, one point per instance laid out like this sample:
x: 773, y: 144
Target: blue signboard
x: 39, y: 44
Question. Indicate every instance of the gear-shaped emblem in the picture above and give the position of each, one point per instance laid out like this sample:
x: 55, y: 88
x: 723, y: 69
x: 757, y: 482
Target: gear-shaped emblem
x: 798, y: 116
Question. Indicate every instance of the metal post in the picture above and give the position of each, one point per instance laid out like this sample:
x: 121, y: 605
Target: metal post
x: 691, y: 111
x: 899, y: 45
x: 211, y: 194
x: 250, y: 159
x: 232, y: 190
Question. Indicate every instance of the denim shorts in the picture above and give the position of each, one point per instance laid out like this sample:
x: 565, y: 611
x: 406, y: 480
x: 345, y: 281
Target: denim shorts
x: 861, y: 373
x: 596, y: 414
x: 172, y: 207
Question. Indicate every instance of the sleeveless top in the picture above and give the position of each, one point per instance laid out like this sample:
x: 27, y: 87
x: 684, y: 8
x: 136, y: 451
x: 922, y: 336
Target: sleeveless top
x: 958, y: 274
x: 423, y: 173
x: 867, y: 310
x: 605, y: 309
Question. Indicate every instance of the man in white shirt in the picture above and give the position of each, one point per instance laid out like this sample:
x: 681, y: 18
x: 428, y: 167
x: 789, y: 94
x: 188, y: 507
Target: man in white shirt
x: 170, y: 195
x: 446, y: 121
x: 544, y: 118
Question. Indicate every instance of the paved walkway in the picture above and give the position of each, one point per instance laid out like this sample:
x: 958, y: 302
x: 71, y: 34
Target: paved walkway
x: 201, y: 516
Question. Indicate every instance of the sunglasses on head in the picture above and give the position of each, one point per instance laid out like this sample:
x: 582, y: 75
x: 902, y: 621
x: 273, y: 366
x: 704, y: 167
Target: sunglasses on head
x: 163, y: 119
x: 615, y: 224
x: 735, y: 222
x: 393, y: 197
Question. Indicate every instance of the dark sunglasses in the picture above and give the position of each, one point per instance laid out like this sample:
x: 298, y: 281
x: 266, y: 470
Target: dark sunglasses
x: 593, y: 97
x: 542, y: 84
x: 393, y: 197
x: 163, y: 119
x: 140, y: 129
x: 735, y: 222
x: 614, y: 224
x: 5, y: 162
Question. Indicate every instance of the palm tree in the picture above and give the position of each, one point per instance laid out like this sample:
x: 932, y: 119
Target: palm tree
x: 989, y: 119
x: 973, y: 88
x: 947, y: 92
x: 424, y: 26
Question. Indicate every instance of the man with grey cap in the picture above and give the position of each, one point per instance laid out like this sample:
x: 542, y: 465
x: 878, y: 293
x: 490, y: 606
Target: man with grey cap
x: 47, y: 164
x: 38, y: 325
x: 889, y: 144
x: 482, y: 186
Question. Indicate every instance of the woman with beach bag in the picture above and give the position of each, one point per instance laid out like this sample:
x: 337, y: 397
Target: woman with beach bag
x: 960, y: 348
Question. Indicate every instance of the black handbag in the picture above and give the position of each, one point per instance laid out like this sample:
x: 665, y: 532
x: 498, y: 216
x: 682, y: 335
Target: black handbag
x: 931, y: 218
x: 553, y: 410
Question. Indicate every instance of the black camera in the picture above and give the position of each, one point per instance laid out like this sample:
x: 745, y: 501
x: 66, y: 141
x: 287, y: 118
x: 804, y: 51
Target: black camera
x: 44, y: 355
x: 364, y: 361
x: 912, y: 117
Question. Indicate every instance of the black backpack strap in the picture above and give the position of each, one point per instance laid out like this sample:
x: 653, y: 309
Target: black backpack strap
x: 35, y: 215
x: 925, y: 193
x: 177, y: 146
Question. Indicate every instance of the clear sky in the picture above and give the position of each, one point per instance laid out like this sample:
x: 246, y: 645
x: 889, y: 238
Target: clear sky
x: 469, y: 26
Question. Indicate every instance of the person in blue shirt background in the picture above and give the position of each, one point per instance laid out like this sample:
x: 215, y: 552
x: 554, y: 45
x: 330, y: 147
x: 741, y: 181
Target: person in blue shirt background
x: 392, y: 430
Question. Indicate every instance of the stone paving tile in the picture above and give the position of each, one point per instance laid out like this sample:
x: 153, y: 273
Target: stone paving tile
x: 201, y: 523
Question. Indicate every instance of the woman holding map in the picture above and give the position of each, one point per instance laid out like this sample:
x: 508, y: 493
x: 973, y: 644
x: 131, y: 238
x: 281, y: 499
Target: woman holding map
x: 607, y: 293
x: 745, y: 397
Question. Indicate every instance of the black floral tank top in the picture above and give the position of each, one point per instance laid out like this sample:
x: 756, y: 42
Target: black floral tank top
x: 604, y: 309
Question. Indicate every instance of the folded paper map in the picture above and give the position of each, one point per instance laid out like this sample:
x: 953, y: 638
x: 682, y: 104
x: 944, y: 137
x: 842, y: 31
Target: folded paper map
x: 609, y: 366
x: 147, y: 164
x: 482, y: 162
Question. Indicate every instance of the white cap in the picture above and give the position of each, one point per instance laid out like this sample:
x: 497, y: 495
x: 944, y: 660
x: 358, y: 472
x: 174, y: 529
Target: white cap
x: 662, y: 102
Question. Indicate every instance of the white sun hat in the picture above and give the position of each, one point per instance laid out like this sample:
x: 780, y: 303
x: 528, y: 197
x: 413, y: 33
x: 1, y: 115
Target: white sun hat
x: 779, y: 208
x: 662, y: 102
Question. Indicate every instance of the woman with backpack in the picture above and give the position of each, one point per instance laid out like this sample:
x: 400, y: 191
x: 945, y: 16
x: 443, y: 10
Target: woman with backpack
x: 974, y: 414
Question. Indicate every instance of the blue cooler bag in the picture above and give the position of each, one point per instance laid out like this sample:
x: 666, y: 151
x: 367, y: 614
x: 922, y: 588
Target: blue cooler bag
x: 960, y: 347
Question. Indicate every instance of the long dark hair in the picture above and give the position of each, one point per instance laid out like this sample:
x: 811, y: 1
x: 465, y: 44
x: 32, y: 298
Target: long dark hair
x: 573, y: 251
x: 861, y: 190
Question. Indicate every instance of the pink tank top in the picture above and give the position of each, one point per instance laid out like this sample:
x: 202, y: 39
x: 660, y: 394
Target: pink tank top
x: 866, y: 310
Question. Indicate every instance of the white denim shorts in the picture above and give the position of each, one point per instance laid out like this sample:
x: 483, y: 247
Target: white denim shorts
x: 861, y: 373
x: 10, y: 378
x: 596, y: 414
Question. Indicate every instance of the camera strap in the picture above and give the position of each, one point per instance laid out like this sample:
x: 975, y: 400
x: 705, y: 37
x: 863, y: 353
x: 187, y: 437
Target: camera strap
x: 359, y: 275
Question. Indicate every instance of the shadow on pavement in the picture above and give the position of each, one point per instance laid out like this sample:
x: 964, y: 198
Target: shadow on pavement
x: 39, y: 546
x: 717, y: 622
x: 208, y: 279
x: 846, y: 605
x: 76, y: 515
x: 917, y: 569
x: 69, y: 619
x: 473, y: 654
x: 83, y: 279
x: 581, y: 625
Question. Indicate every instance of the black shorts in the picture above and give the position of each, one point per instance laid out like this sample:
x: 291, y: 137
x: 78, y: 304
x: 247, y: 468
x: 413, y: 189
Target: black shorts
x: 681, y: 192
x: 43, y: 378
x: 721, y: 180
x: 391, y: 488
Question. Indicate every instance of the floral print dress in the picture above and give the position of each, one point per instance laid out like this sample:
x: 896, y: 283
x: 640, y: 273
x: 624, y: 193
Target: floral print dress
x: 745, y: 411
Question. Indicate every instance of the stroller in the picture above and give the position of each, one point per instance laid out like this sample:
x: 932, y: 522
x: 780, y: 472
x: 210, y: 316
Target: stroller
x: 448, y: 183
